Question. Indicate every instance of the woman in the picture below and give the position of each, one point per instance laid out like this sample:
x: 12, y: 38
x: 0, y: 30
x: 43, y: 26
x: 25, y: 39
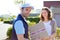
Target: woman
x: 49, y: 23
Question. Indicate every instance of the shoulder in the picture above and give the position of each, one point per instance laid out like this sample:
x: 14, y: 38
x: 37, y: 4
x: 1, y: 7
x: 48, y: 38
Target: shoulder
x: 54, y: 20
x: 18, y: 23
x: 19, y: 26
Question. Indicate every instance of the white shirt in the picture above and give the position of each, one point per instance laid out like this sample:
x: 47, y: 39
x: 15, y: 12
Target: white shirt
x: 48, y: 27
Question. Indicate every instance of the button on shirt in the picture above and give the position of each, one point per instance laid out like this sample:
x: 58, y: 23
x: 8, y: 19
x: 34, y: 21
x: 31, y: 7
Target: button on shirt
x: 48, y: 27
x: 19, y: 28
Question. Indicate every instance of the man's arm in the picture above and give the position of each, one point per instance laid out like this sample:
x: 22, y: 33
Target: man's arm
x: 19, y: 29
x: 20, y: 36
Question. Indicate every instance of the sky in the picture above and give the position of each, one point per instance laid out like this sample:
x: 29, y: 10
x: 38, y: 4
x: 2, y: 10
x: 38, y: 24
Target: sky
x: 9, y: 7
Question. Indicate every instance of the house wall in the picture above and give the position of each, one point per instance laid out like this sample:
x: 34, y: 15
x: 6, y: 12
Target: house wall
x: 51, y: 3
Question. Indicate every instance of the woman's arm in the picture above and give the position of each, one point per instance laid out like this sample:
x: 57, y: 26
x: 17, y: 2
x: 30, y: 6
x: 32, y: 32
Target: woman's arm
x: 54, y: 31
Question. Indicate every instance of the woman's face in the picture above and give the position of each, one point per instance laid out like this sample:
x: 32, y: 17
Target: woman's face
x: 44, y: 13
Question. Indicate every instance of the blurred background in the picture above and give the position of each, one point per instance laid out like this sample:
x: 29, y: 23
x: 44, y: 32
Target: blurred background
x: 9, y: 9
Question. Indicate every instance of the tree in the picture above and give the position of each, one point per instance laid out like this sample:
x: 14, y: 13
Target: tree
x: 19, y: 1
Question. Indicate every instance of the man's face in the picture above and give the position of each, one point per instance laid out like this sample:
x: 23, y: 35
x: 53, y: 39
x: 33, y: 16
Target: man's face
x: 26, y: 11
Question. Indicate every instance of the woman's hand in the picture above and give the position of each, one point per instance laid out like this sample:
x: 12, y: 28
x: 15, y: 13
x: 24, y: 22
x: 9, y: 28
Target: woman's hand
x: 52, y: 36
x: 46, y: 38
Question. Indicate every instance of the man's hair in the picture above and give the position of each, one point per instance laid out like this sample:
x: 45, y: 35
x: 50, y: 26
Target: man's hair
x: 49, y: 14
x: 22, y: 8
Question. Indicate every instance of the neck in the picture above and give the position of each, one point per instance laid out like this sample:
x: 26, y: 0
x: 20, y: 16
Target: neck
x: 45, y: 19
x: 22, y: 15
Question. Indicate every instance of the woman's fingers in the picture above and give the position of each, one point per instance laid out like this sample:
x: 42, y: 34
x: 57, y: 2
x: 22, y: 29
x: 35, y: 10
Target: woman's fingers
x: 46, y: 38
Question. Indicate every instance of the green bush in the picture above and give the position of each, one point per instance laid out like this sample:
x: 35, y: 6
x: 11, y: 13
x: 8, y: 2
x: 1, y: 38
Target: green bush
x: 58, y: 31
x: 31, y: 23
x: 6, y: 21
x: 9, y: 32
x: 36, y: 19
x: 1, y: 19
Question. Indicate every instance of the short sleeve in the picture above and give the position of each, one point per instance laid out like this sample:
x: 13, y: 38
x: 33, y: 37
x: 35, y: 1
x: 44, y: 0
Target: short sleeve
x: 19, y: 28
